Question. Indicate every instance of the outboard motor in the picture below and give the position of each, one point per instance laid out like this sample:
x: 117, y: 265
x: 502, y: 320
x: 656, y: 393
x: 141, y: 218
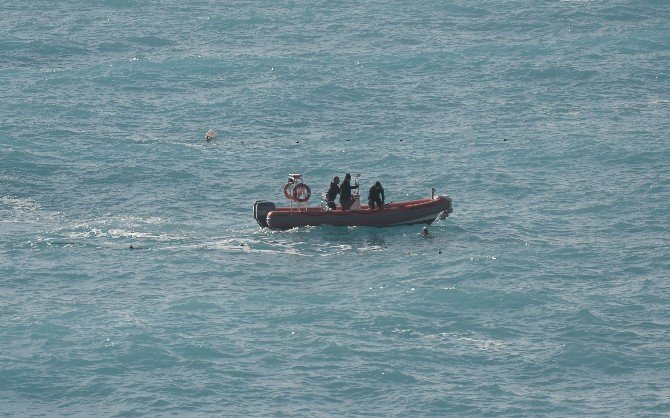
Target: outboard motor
x: 261, y: 209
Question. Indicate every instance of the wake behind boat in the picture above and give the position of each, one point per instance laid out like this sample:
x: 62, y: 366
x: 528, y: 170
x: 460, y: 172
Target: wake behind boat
x: 422, y: 211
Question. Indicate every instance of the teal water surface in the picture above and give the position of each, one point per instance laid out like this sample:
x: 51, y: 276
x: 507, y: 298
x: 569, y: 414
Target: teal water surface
x: 545, y: 293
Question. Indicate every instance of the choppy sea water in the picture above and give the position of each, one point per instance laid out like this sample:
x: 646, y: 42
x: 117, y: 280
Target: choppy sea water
x: 545, y: 292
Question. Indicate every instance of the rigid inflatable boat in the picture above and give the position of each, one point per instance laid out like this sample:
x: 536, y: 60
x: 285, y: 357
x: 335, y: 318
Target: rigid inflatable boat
x: 422, y: 211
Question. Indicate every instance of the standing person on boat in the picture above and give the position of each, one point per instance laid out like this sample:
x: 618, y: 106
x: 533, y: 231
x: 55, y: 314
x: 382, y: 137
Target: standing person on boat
x: 346, y: 200
x: 376, y: 196
x: 333, y: 191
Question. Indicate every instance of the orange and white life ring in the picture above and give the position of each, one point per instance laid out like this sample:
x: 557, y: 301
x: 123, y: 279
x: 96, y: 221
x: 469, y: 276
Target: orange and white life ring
x: 288, y: 192
x: 301, y: 192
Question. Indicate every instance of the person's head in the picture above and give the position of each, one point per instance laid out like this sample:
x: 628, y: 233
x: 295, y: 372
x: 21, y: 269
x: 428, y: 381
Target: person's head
x: 336, y: 180
x: 378, y: 185
x: 347, y: 177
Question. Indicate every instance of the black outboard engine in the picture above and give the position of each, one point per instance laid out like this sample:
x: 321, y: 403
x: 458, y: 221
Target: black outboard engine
x: 261, y: 209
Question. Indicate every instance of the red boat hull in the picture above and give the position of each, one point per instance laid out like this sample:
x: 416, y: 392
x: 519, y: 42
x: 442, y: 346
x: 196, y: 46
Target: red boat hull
x: 403, y: 213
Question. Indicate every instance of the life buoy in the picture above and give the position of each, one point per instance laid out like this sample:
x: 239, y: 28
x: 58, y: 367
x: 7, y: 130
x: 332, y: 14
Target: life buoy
x: 288, y: 192
x: 301, y: 192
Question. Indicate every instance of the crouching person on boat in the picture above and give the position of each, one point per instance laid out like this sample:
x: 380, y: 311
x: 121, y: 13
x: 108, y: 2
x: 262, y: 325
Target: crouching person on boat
x: 332, y: 192
x: 376, y: 196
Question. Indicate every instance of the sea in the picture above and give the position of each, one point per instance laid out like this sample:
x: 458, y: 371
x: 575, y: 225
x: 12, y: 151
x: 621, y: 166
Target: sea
x: 545, y: 293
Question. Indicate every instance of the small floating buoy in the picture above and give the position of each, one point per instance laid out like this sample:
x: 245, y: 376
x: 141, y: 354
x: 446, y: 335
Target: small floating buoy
x: 211, y: 134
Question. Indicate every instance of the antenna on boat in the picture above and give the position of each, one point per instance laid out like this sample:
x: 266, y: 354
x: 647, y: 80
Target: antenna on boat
x: 357, y: 196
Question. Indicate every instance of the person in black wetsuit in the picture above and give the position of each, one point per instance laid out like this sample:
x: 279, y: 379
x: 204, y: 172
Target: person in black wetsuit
x: 376, y: 196
x: 346, y: 200
x: 333, y: 191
